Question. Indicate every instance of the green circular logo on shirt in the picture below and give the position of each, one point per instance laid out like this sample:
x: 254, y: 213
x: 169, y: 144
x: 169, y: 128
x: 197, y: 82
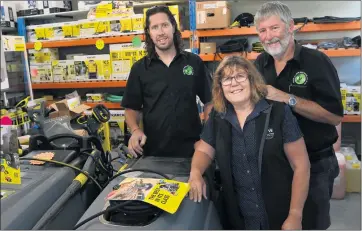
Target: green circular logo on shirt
x: 188, y: 70
x: 300, y: 78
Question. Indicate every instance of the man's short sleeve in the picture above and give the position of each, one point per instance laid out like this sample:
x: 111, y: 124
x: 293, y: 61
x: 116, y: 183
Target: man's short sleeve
x: 290, y: 127
x: 326, y: 87
x: 208, y: 134
x: 204, y: 83
x: 133, y: 95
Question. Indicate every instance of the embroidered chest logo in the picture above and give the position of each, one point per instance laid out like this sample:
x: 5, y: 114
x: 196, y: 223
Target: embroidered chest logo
x: 300, y: 78
x: 188, y: 70
x: 269, y: 134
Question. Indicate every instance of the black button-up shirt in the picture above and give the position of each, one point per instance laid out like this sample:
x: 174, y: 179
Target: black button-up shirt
x: 244, y: 160
x: 310, y: 75
x: 166, y: 95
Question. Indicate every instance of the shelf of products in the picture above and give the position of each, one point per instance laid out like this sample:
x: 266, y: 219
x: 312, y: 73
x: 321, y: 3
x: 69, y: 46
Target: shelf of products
x: 92, y: 41
x: 341, y: 52
x: 351, y: 119
x: 75, y: 85
x: 309, y: 27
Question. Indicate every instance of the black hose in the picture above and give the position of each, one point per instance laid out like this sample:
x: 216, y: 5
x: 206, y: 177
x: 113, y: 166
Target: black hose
x: 66, y: 165
x: 109, y: 209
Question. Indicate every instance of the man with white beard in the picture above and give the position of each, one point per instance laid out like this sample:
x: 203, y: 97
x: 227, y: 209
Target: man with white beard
x: 307, y: 81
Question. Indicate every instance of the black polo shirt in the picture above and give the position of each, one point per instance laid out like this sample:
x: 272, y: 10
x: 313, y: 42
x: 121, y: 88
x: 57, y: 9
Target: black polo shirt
x: 311, y: 75
x: 166, y: 96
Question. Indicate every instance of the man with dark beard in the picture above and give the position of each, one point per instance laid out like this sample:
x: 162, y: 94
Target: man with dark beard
x: 307, y: 81
x: 163, y: 86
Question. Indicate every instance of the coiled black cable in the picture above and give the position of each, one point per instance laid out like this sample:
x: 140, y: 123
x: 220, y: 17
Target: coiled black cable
x: 113, y: 208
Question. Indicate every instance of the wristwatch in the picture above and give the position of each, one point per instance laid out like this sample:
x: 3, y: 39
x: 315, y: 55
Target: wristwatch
x: 292, y: 101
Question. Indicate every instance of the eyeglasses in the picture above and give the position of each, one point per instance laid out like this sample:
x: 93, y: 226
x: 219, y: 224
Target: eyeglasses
x: 239, y: 79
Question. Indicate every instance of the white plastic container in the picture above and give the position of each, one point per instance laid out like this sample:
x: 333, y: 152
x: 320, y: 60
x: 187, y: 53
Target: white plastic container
x: 339, y: 186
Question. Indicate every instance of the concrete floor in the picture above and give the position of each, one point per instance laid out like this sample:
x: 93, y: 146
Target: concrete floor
x: 346, y: 213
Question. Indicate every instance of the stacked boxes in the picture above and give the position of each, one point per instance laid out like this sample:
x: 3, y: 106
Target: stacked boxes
x: 41, y: 64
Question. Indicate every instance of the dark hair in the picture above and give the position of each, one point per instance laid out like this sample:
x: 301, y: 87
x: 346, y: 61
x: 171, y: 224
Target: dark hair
x: 177, y: 39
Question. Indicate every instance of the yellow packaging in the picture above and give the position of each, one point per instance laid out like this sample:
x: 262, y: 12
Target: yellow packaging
x: 67, y: 29
x: 49, y: 33
x: 81, y: 68
x: 137, y: 23
x: 40, y: 33
x: 45, y: 55
x: 9, y: 174
x: 174, y: 10
x: 75, y: 30
x: 343, y: 96
x: 353, y: 100
x: 104, y: 10
x: 99, y: 67
x: 94, y: 27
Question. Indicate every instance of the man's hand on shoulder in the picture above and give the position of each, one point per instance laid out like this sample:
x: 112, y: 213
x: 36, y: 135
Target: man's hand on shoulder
x: 276, y: 95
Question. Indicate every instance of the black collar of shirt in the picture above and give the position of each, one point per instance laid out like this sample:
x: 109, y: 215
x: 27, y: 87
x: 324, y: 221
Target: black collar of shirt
x: 154, y: 56
x: 297, y: 48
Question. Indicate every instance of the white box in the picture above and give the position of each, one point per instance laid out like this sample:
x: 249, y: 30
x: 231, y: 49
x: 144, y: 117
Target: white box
x: 99, y: 67
x: 123, y: 56
x: 63, y: 70
x: 41, y: 73
x: 8, y: 14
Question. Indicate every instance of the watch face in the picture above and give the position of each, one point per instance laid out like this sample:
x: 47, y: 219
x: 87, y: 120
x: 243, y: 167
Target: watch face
x: 292, y: 101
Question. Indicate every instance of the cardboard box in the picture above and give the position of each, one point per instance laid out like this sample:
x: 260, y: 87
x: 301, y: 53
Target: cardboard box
x: 207, y: 48
x: 68, y: 107
x: 63, y: 70
x: 123, y: 56
x: 212, y: 14
x: 353, y: 100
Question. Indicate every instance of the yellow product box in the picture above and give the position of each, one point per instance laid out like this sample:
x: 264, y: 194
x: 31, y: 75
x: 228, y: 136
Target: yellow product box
x: 174, y: 10
x: 120, y: 25
x: 123, y: 56
x: 116, y: 127
x: 41, y: 73
x: 75, y: 29
x: 138, y: 23
x: 353, y: 100
x: 53, y: 31
x: 67, y: 30
x: 98, y: 67
x: 39, y: 31
x: 94, y: 27
x: 45, y: 55
x: 63, y: 70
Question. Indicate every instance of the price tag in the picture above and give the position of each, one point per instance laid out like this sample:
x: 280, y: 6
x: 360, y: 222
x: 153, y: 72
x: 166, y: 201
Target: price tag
x: 38, y: 45
x: 100, y: 44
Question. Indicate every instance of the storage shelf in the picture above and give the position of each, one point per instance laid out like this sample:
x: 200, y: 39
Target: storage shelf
x: 92, y: 41
x: 310, y: 27
x: 341, y: 52
x: 351, y: 119
x: 76, y: 85
x: 109, y: 105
